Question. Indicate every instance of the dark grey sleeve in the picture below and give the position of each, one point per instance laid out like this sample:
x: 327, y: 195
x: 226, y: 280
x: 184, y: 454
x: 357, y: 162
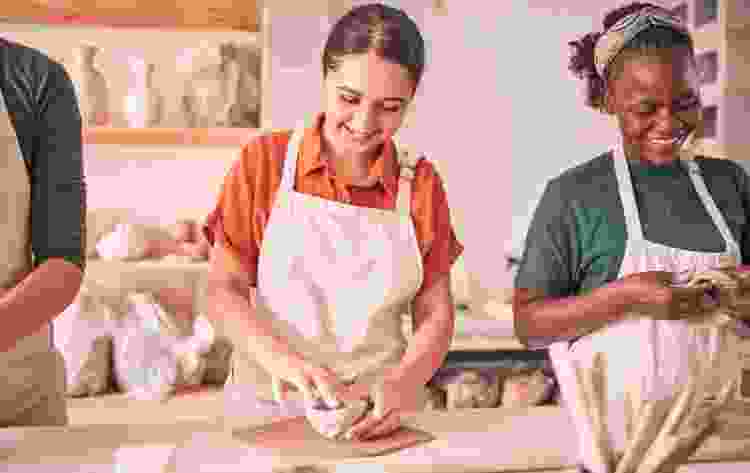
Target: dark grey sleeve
x: 58, y: 195
x: 743, y: 186
x: 548, y: 261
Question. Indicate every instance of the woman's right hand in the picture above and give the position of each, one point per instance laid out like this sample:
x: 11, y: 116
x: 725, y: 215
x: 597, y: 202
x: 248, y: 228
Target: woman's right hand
x: 309, y: 379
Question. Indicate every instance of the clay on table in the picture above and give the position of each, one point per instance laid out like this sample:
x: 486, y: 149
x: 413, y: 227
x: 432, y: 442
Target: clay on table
x: 334, y: 423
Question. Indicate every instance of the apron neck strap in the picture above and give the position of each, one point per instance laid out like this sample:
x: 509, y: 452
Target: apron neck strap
x: 292, y: 152
x: 630, y: 208
x: 627, y: 194
x: 407, y: 161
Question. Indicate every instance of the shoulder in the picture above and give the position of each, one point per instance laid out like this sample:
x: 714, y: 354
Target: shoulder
x: 263, y: 153
x: 19, y: 60
x: 589, y: 172
x: 428, y: 184
x: 581, y: 182
x: 714, y: 166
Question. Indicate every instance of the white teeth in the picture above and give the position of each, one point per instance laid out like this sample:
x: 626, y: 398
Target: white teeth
x: 665, y: 142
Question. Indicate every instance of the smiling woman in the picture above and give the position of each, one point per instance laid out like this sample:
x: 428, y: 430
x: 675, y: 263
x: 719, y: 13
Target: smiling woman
x: 612, y: 238
x: 341, y: 233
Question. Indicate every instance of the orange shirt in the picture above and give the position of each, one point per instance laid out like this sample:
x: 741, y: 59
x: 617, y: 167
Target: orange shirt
x: 248, y: 193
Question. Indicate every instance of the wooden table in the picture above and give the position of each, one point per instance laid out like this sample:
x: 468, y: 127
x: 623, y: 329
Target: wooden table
x: 467, y: 441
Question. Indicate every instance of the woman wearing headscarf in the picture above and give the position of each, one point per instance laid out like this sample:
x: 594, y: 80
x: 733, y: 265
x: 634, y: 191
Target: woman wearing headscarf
x: 612, y: 238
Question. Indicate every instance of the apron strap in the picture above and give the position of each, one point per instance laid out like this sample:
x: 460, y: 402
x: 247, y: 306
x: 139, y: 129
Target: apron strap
x: 292, y: 152
x: 708, y: 201
x: 627, y: 194
x: 408, y: 163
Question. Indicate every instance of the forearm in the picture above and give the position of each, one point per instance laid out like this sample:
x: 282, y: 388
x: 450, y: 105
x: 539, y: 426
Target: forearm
x: 231, y: 309
x: 37, y: 299
x: 569, y: 317
x: 428, y: 347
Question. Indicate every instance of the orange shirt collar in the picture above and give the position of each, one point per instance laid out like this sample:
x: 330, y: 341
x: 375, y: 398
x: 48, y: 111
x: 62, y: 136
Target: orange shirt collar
x: 383, y: 167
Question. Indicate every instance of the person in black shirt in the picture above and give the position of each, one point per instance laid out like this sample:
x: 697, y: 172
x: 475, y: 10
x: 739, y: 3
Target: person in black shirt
x: 42, y: 230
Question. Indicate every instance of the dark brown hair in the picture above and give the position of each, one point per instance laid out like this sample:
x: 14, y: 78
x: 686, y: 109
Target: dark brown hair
x: 387, y: 31
x: 652, y: 42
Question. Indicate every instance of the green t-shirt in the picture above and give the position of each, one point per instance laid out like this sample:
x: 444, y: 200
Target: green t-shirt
x: 576, y: 240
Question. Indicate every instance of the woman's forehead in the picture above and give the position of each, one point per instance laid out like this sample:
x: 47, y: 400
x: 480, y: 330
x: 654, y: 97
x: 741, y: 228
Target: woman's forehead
x: 658, y: 73
x: 373, y: 76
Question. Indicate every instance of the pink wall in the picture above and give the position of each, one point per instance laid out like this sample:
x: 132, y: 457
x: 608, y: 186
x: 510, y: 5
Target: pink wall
x: 498, y: 112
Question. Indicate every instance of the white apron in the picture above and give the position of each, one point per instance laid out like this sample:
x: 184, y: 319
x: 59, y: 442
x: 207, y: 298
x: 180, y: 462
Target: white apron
x: 33, y: 372
x: 647, y: 362
x: 335, y: 280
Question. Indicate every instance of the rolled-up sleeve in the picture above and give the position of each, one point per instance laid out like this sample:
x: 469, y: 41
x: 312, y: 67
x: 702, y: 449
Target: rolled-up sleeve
x: 234, y: 222
x: 437, y: 238
x: 548, y: 256
x: 58, y: 189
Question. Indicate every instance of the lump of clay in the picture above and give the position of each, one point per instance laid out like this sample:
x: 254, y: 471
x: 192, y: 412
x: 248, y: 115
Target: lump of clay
x: 436, y: 398
x: 525, y: 389
x: 471, y: 389
x: 334, y: 423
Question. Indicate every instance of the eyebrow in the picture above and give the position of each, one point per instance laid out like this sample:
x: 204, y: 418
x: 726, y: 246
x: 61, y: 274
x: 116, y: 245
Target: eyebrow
x: 645, y: 98
x: 351, y: 91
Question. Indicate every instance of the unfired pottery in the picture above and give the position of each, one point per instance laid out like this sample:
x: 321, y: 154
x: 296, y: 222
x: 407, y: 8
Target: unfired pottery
x: 93, y: 93
x: 224, y: 94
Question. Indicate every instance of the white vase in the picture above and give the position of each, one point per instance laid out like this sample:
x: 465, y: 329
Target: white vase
x: 135, y: 100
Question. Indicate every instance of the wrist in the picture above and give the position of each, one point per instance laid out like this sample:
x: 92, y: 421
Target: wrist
x: 621, y: 295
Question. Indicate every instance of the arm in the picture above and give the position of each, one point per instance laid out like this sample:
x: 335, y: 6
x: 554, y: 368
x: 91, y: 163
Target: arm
x: 23, y: 311
x: 230, y: 307
x: 545, y: 307
x: 539, y: 317
x: 58, y: 207
x: 434, y: 318
x: 433, y: 307
x: 233, y: 263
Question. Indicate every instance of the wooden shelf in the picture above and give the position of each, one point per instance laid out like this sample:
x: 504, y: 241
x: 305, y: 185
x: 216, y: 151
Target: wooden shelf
x: 168, y: 136
x: 738, y: 15
x: 711, y: 149
x: 707, y: 38
x: 177, y: 14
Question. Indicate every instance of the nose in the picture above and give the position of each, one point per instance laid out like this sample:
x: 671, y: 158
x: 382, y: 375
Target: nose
x: 362, y: 120
x: 668, y: 122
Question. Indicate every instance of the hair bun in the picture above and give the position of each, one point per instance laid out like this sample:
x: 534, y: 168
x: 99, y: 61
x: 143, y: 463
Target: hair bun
x: 582, y: 60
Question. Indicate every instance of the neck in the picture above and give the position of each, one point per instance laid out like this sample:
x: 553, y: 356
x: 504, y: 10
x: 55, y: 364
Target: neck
x: 633, y: 154
x: 352, y: 166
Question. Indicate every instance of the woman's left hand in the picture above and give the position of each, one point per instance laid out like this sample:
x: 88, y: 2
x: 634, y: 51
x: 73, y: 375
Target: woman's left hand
x: 391, y: 396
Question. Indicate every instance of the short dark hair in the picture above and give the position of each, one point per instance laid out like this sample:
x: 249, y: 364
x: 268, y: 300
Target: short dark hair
x: 387, y: 31
x: 651, y: 42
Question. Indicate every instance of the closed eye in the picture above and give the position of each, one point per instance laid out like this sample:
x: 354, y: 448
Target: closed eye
x: 349, y: 99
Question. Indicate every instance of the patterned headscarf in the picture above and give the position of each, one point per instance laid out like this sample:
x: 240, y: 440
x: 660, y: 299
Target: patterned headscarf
x: 621, y: 33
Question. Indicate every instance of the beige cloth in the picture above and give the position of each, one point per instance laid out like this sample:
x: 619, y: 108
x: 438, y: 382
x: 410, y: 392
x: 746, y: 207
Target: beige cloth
x: 335, y: 280
x: 638, y: 389
x: 33, y: 371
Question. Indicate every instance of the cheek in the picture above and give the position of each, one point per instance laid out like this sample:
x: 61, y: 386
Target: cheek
x: 633, y: 128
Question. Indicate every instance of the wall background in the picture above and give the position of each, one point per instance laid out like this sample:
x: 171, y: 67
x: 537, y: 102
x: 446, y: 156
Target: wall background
x: 498, y: 112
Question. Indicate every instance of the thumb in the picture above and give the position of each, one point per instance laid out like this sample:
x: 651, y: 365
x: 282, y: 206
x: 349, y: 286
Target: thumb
x: 279, y: 389
x: 328, y: 391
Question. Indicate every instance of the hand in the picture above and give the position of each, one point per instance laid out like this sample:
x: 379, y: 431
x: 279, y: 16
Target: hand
x: 391, y: 396
x: 652, y: 294
x: 311, y: 380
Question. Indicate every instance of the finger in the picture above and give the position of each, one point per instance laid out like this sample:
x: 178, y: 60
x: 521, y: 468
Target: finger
x: 328, y: 390
x: 358, y: 391
x: 363, y: 427
x: 279, y: 391
x: 304, y: 386
x: 387, y: 425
